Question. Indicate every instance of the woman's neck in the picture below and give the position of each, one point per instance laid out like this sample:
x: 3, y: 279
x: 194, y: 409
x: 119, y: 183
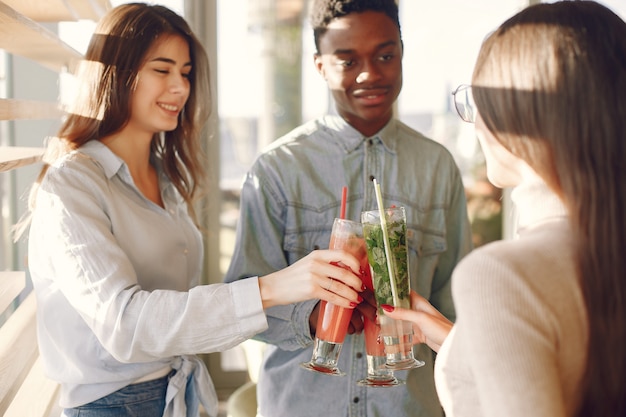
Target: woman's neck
x: 135, y: 152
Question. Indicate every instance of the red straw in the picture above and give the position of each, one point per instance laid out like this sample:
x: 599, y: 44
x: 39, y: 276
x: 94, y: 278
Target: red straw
x: 344, y: 197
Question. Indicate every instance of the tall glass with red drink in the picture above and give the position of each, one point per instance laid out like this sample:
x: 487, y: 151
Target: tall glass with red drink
x: 378, y: 374
x: 333, y: 321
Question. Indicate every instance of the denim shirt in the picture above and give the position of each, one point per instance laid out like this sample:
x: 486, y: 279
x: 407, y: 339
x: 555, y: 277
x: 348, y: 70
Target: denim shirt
x: 116, y: 279
x: 288, y: 202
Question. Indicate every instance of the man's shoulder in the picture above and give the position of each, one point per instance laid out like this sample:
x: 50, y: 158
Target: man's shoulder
x: 280, y: 155
x: 406, y: 131
x: 298, y: 135
x: 423, y: 144
x: 307, y: 140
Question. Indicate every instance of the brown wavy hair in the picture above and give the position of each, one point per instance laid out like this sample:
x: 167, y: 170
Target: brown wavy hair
x: 550, y: 84
x: 106, y: 78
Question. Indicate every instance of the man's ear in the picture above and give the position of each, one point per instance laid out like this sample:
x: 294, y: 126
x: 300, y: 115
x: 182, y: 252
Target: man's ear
x: 319, y: 65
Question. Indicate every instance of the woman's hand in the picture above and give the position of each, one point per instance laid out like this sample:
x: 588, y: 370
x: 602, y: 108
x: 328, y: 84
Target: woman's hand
x: 323, y: 274
x: 429, y: 325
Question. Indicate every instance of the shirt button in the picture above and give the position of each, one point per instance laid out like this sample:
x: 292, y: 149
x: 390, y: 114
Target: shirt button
x: 186, y: 251
x: 355, y: 400
x: 359, y: 355
x: 370, y: 142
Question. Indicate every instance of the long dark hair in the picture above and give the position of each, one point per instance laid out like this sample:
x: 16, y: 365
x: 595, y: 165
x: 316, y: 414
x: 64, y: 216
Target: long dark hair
x: 550, y: 84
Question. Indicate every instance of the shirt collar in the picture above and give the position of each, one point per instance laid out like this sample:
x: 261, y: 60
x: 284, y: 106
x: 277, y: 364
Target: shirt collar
x: 114, y: 165
x: 101, y: 153
x: 535, y: 202
x: 350, y: 139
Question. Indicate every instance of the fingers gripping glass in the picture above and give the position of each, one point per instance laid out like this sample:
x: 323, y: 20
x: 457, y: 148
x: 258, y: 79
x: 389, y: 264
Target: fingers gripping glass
x: 464, y: 103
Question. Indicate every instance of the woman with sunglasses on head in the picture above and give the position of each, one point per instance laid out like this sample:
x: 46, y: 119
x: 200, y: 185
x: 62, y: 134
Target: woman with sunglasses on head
x: 541, y: 319
x: 114, y: 252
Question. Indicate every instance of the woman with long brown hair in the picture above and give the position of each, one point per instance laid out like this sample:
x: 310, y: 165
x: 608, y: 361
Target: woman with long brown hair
x: 541, y: 319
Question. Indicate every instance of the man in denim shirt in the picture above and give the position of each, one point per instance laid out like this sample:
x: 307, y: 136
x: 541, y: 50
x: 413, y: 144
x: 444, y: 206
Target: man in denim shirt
x: 292, y: 194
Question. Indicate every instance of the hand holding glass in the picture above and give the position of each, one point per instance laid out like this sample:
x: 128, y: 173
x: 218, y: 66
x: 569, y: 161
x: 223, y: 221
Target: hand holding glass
x: 333, y: 321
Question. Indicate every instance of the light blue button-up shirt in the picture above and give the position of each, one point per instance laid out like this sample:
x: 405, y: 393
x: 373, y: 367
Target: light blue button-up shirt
x: 116, y: 278
x: 288, y: 202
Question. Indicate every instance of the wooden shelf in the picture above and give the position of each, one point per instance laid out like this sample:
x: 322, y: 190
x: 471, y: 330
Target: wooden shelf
x: 24, y: 388
x: 22, y: 36
x: 13, y: 282
x: 60, y: 10
x: 12, y: 157
x: 11, y: 109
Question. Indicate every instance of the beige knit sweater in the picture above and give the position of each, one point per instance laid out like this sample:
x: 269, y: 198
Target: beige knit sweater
x: 518, y: 345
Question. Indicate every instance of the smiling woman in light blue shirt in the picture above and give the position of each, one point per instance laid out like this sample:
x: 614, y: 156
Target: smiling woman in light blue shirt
x: 114, y: 253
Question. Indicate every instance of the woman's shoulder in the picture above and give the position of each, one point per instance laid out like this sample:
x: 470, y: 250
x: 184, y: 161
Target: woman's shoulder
x: 76, y: 169
x: 539, y: 261
x: 75, y: 163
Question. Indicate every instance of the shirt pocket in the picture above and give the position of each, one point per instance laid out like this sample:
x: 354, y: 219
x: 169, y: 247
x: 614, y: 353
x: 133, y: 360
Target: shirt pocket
x: 298, y: 244
x: 308, y: 230
x: 425, y: 250
x: 425, y: 244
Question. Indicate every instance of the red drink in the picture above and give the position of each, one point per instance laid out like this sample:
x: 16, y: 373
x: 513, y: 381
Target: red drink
x: 374, y: 345
x: 378, y: 376
x: 333, y: 321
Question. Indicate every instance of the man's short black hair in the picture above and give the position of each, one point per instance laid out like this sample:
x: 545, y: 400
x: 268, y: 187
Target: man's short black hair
x: 324, y: 11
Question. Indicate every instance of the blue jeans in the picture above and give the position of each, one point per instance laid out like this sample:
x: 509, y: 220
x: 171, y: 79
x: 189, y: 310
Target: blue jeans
x: 146, y: 399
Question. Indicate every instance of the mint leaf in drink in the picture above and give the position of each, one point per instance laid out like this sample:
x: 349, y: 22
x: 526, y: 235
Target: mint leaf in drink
x: 377, y: 258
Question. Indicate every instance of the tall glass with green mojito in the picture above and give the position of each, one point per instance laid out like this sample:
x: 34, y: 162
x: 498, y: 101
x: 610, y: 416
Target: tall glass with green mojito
x: 389, y: 264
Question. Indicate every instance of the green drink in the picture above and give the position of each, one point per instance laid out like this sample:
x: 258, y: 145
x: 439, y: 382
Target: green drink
x: 377, y: 258
x: 389, y: 263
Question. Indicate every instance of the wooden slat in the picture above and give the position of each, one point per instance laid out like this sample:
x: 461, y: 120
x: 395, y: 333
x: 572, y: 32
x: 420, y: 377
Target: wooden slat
x: 13, y: 157
x: 11, y: 284
x: 89, y: 9
x: 18, y: 350
x: 60, y: 10
x: 12, y: 109
x: 22, y: 36
x: 37, y: 396
x: 43, y: 11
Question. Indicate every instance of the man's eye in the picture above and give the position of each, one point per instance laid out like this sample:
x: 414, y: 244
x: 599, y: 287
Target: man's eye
x: 386, y: 57
x: 347, y: 63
